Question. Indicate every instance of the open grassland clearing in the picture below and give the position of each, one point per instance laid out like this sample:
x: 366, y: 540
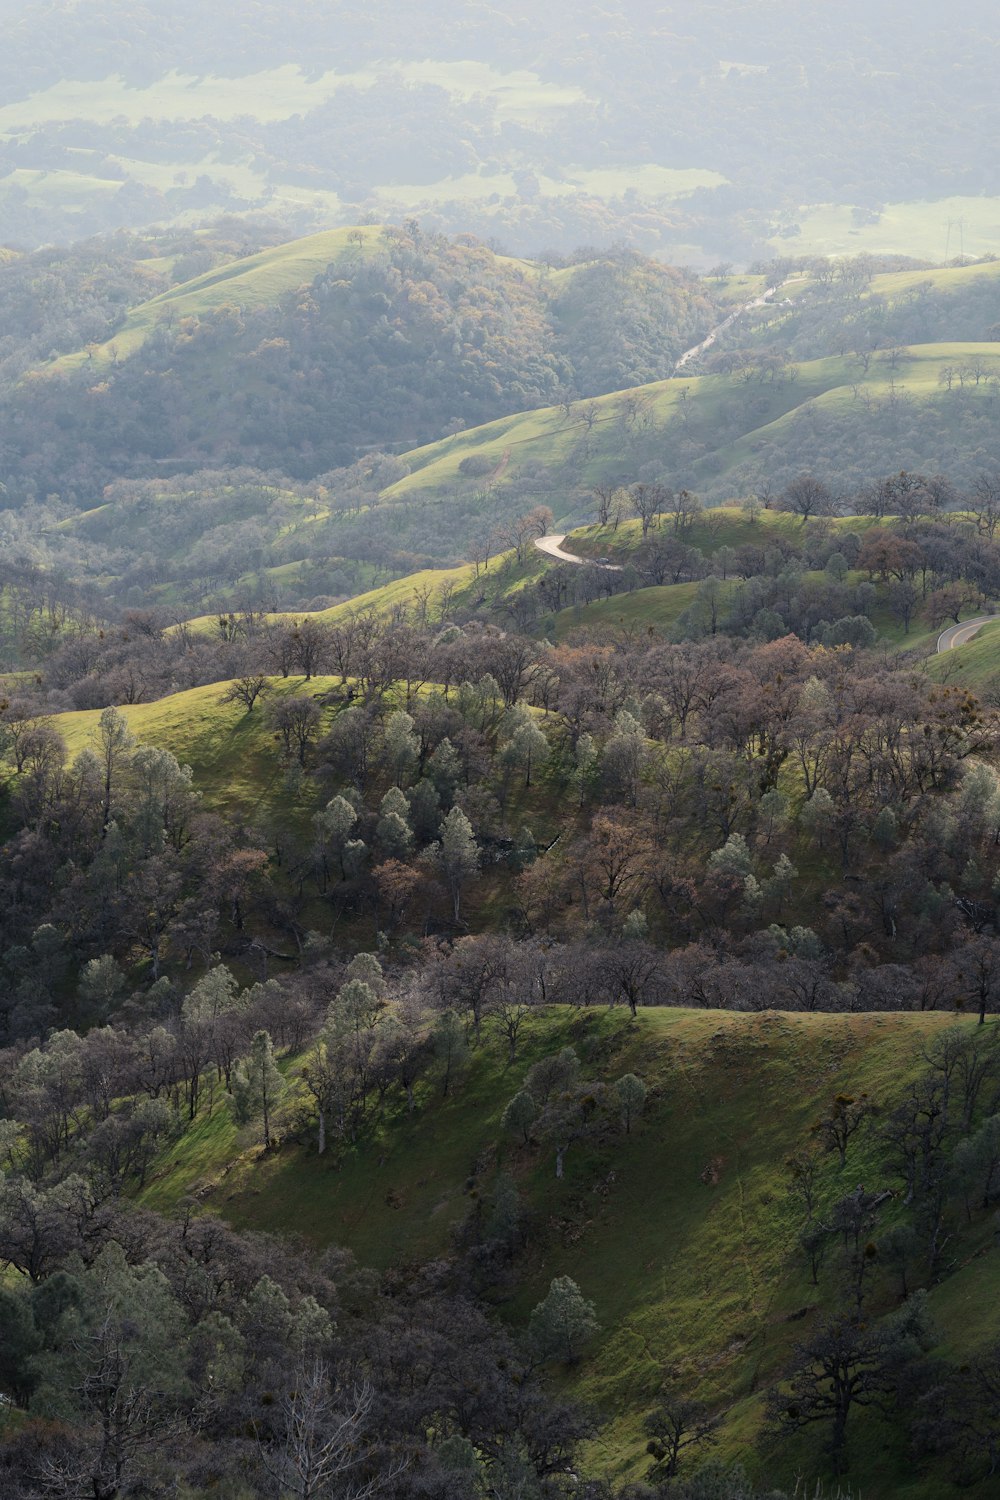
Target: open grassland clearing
x: 928, y: 228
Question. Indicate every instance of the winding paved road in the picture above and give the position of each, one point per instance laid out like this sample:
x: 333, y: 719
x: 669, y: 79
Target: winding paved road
x: 961, y: 635
x: 707, y: 343
x: 552, y: 547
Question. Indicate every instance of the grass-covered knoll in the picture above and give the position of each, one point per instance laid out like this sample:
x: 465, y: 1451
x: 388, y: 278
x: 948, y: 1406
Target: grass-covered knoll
x: 684, y: 1232
x: 231, y: 752
x: 722, y: 526
x: 256, y: 281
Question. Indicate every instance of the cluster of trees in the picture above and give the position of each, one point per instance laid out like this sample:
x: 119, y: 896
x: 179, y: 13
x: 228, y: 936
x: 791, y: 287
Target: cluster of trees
x: 149, y: 1351
x: 114, y: 854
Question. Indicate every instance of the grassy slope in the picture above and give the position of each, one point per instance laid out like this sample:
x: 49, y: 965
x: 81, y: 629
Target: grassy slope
x: 402, y: 594
x: 231, y: 752
x: 657, y: 608
x: 722, y: 526
x: 683, y: 1233
x: 256, y: 281
x: 405, y: 597
x: 941, y: 278
x: 563, y: 454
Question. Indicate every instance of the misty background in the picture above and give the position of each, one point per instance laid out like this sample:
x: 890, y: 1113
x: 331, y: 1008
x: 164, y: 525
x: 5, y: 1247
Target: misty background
x: 722, y: 131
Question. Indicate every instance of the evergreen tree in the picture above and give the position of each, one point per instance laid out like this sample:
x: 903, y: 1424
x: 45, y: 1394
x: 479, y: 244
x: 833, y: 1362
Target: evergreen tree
x: 458, y: 855
x: 563, y: 1322
x: 630, y: 1091
x: 257, y: 1085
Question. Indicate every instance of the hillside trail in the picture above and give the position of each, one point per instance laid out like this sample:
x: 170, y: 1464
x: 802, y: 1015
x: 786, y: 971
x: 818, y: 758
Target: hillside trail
x: 721, y: 328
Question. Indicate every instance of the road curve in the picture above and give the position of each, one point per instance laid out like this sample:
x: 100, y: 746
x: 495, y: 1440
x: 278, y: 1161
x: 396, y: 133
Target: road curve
x: 961, y: 635
x: 552, y: 547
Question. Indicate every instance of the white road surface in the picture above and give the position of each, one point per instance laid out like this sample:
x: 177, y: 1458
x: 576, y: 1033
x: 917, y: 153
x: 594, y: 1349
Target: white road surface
x: 961, y: 635
x: 707, y: 343
x: 552, y: 546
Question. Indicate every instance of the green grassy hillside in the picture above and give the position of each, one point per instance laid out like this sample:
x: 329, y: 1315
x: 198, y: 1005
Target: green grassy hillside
x: 403, y: 596
x: 722, y: 526
x: 256, y: 281
x: 230, y: 751
x: 938, y: 278
x: 723, y: 422
x: 684, y: 1233
x: 656, y: 608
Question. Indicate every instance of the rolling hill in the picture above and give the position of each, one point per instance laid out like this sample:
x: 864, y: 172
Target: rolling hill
x: 683, y: 1232
x: 725, y: 434
x: 254, y: 282
x: 300, y: 360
